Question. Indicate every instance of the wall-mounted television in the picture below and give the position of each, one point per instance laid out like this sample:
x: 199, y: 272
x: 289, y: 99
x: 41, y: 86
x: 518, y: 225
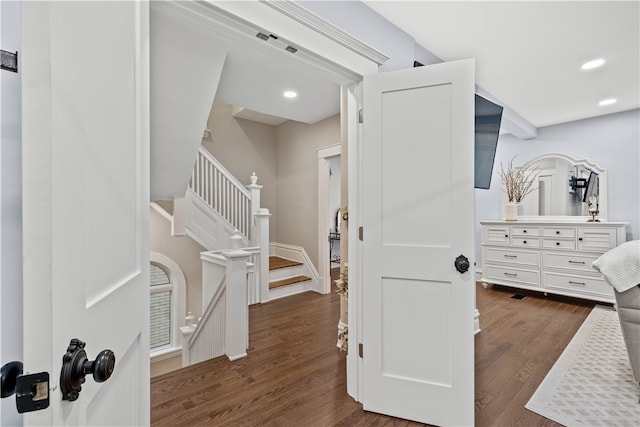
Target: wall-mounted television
x: 591, y: 188
x: 487, y: 120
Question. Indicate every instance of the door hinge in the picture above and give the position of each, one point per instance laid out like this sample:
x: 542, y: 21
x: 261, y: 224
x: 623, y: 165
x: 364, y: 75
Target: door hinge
x: 360, y: 350
x: 360, y: 116
x: 360, y: 233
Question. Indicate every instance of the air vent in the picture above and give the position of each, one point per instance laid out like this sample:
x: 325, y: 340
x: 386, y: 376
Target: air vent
x: 291, y: 49
x: 262, y: 36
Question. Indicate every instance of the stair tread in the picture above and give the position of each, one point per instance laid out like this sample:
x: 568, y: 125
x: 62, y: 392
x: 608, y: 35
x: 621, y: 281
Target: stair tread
x: 276, y: 262
x: 288, y: 281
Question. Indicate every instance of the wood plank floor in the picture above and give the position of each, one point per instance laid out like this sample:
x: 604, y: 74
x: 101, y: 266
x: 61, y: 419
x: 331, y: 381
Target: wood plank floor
x: 295, y: 375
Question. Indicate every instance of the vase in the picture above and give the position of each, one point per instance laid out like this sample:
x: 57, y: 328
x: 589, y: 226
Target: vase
x: 511, y: 211
x: 253, y: 178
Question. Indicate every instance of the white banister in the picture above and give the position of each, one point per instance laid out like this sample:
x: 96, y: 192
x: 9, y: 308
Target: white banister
x: 224, y: 325
x: 213, y: 275
x: 237, y: 311
x: 223, y: 193
x: 262, y: 238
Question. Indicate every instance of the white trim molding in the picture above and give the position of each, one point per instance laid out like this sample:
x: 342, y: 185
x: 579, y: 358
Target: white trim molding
x: 310, y: 20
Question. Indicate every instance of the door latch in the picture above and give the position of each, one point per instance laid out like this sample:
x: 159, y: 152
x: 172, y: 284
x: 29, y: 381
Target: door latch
x: 32, y: 390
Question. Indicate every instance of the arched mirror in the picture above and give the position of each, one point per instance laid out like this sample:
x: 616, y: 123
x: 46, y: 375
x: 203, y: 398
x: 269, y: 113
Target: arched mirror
x: 564, y: 187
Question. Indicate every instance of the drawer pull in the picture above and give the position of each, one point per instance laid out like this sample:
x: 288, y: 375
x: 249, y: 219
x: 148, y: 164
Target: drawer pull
x: 576, y: 262
x: 506, y: 235
x: 557, y: 243
x: 511, y: 274
x: 577, y: 283
x: 524, y: 242
x: 524, y: 231
x: 557, y: 232
x: 580, y: 238
x: 511, y: 256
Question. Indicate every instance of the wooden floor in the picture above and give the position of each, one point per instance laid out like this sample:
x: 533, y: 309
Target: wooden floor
x: 295, y: 375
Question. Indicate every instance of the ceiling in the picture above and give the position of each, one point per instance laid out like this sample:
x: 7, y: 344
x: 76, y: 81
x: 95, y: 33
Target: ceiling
x: 255, y: 78
x: 528, y: 55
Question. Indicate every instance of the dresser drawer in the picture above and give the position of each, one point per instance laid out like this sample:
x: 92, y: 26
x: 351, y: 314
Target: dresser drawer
x: 525, y: 242
x: 506, y: 274
x: 596, y: 239
x: 523, y: 258
x: 577, y: 284
x: 496, y: 235
x: 525, y: 231
x: 559, y: 244
x: 569, y: 261
x: 559, y: 232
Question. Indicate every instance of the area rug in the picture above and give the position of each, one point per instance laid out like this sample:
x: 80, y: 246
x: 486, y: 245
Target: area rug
x: 591, y: 384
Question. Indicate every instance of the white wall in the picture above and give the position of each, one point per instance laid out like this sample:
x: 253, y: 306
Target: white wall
x: 297, y: 181
x: 186, y: 64
x: 371, y: 28
x: 10, y: 204
x: 612, y: 142
x: 183, y: 251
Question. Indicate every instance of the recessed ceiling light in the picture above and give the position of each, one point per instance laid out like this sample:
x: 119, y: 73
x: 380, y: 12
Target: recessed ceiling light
x: 606, y: 102
x: 290, y: 94
x: 593, y: 64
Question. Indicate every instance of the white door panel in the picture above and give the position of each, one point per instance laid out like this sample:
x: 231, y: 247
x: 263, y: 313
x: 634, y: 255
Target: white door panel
x: 86, y: 198
x: 418, y: 212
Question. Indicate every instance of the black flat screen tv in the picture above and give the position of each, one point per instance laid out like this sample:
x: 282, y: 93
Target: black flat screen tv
x: 591, y: 188
x: 487, y: 120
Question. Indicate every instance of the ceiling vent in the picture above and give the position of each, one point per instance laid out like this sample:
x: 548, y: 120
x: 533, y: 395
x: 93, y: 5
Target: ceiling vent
x: 291, y: 49
x: 262, y: 36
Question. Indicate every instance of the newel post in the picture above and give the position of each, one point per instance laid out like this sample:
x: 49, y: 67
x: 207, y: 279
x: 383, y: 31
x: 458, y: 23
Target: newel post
x: 254, y: 189
x: 236, y: 334
x: 262, y: 241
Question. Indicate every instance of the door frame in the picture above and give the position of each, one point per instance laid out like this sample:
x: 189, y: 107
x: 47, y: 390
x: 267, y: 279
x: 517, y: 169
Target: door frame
x: 324, y: 155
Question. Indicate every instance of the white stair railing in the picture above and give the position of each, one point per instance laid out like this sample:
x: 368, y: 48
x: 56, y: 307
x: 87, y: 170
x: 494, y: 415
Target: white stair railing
x: 222, y: 192
x: 213, y: 188
x: 224, y: 325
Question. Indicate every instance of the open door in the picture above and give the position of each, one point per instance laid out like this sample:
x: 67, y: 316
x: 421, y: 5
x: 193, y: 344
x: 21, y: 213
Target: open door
x: 86, y: 206
x: 418, y: 213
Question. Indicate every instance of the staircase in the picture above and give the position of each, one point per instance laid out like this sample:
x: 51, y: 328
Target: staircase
x: 286, y: 277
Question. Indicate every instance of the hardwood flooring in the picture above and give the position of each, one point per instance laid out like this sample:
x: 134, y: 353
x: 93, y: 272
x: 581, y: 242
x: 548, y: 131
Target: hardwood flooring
x: 295, y: 375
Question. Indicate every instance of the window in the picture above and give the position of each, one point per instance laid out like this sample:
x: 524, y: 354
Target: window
x: 167, y: 306
x: 161, y: 293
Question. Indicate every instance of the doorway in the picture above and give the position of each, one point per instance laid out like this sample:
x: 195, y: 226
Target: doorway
x: 329, y: 162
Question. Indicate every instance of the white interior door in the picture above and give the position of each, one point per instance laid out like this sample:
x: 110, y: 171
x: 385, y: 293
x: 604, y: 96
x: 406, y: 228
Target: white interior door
x: 86, y: 202
x: 418, y: 213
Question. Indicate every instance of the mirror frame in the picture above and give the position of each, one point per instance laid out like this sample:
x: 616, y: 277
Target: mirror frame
x: 603, y: 185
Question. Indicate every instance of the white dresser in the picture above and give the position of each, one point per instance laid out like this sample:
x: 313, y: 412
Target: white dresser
x: 551, y: 257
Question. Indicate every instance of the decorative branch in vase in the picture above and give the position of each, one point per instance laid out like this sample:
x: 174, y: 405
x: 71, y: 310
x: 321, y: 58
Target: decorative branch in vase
x: 517, y: 183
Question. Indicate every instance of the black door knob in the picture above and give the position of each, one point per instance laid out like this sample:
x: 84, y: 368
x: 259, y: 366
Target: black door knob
x: 75, y: 366
x: 462, y: 264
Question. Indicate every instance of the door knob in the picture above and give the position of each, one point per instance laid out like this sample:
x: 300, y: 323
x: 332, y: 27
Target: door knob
x: 462, y: 264
x: 75, y: 366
